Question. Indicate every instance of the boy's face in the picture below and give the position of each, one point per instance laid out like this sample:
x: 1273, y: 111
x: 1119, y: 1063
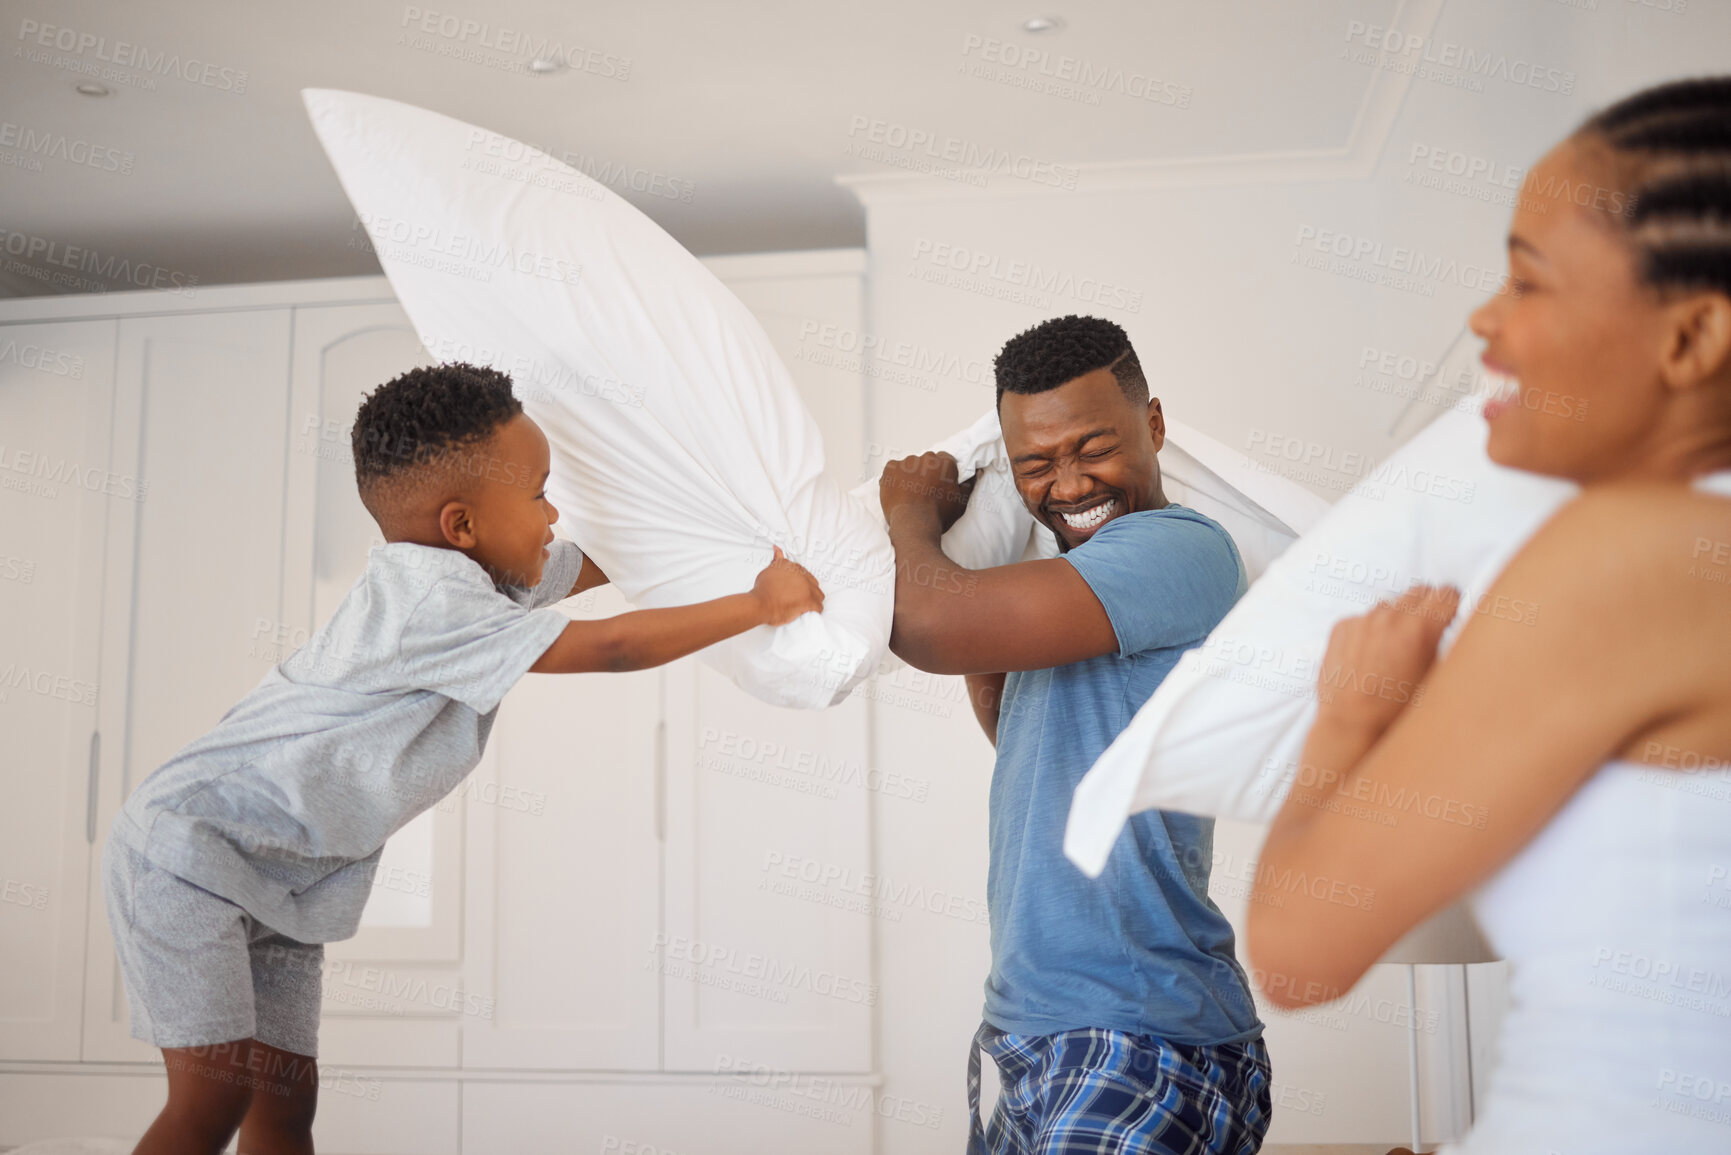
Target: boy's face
x: 504, y: 520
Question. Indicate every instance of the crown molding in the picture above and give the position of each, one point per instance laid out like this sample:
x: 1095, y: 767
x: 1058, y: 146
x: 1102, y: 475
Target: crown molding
x: 1355, y: 160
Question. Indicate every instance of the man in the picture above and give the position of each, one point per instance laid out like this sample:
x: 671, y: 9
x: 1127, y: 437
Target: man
x: 1115, y: 1009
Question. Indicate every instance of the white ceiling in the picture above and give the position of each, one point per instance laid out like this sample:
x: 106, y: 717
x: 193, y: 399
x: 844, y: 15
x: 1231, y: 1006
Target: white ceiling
x: 744, y: 108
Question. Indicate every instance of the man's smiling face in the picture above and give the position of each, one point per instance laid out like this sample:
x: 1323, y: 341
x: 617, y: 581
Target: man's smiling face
x: 1083, y: 453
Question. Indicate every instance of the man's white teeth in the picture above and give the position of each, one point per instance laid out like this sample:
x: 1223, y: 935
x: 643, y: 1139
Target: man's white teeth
x: 1089, y: 518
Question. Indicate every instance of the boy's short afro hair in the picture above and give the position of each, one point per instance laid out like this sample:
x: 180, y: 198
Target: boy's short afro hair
x: 1060, y: 350
x: 420, y: 416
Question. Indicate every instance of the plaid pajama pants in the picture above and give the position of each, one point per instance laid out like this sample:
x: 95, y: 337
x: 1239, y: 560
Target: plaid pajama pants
x: 1101, y: 1092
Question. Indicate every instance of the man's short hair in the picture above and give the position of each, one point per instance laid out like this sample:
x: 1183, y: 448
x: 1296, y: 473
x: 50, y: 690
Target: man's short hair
x: 408, y: 428
x: 1060, y: 350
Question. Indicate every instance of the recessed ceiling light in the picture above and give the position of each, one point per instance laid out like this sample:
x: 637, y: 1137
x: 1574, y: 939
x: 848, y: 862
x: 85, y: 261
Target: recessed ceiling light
x: 1038, y: 24
x: 544, y: 66
x: 91, y: 88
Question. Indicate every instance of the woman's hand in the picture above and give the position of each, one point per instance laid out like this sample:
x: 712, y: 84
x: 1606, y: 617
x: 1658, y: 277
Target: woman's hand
x: 786, y: 590
x: 1376, y: 661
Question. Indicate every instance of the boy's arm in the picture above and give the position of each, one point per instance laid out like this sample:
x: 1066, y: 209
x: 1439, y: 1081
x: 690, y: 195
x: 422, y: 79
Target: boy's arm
x: 588, y: 577
x: 644, y: 638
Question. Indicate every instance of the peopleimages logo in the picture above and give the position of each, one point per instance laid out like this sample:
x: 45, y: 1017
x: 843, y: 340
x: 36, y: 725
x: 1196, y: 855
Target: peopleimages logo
x: 976, y: 270
x: 461, y: 253
x: 508, y: 151
x: 761, y: 968
x: 463, y: 35
x: 28, y: 355
x: 123, y: 54
x: 81, y: 259
x: 1073, y: 77
x: 876, y: 355
x: 1365, y: 258
x: 46, y: 144
x: 1449, y: 61
x: 970, y: 159
x: 828, y: 881
x: 1353, y: 467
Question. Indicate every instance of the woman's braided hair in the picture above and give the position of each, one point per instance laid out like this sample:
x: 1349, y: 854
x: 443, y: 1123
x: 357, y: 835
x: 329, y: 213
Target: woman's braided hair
x: 1671, y: 149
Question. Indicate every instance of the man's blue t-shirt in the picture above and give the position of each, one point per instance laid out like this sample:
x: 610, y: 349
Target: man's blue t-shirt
x: 1140, y: 949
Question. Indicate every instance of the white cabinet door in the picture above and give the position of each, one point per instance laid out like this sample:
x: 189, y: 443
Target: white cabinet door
x: 1487, y: 989
x: 194, y: 579
x: 1343, y: 1071
x: 394, y: 993
x: 56, y: 490
x: 771, y: 902
x: 565, y: 820
x: 771, y: 899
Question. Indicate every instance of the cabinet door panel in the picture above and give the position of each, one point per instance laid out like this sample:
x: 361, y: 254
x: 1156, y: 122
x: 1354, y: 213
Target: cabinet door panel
x: 194, y: 580
x: 394, y: 993
x: 721, y: 1116
x: 771, y: 899
x: 566, y: 809
x: 761, y: 967
x: 56, y: 490
x: 1343, y: 1071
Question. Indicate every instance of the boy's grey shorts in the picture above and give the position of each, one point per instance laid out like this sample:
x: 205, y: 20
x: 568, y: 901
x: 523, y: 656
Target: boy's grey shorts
x: 199, y: 970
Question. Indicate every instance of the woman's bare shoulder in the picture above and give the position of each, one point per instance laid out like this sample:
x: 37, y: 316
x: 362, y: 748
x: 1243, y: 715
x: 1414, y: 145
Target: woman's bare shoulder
x: 1641, y: 572
x: 1633, y: 537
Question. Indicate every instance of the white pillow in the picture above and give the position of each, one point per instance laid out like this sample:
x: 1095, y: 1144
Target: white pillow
x: 1222, y: 734
x: 681, y: 450
x: 1262, y: 511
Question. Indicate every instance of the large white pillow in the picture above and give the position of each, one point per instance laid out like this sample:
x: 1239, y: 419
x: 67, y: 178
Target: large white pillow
x: 681, y: 450
x: 1222, y: 734
x: 1264, y: 512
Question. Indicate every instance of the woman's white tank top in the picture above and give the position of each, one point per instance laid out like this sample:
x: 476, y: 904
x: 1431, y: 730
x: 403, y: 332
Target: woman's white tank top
x: 1616, y: 921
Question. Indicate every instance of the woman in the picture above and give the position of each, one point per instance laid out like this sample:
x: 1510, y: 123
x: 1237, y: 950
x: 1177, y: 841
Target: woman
x: 1603, y: 869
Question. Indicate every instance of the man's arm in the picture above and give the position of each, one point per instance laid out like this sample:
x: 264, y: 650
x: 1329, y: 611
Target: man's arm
x: 1026, y: 616
x: 986, y: 694
x: 950, y: 620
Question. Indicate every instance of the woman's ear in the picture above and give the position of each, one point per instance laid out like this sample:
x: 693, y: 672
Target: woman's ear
x: 456, y: 522
x: 1698, y: 341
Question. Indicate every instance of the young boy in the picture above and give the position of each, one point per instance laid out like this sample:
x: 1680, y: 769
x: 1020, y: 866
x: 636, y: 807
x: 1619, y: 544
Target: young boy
x: 231, y: 865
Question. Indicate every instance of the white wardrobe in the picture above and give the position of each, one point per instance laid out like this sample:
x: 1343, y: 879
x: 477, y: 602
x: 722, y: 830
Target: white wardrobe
x: 602, y: 941
x: 574, y: 949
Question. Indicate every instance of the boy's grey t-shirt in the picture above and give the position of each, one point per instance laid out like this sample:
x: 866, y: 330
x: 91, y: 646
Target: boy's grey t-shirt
x: 284, y: 808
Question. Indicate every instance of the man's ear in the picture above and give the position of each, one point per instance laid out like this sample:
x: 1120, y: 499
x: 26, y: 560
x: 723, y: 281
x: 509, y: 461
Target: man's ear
x: 456, y: 522
x: 1698, y: 345
x: 1156, y: 424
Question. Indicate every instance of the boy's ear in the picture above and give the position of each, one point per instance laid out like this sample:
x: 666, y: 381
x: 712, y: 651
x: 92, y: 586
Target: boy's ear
x: 456, y: 522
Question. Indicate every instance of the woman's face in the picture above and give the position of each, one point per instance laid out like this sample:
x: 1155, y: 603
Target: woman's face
x: 1575, y: 330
